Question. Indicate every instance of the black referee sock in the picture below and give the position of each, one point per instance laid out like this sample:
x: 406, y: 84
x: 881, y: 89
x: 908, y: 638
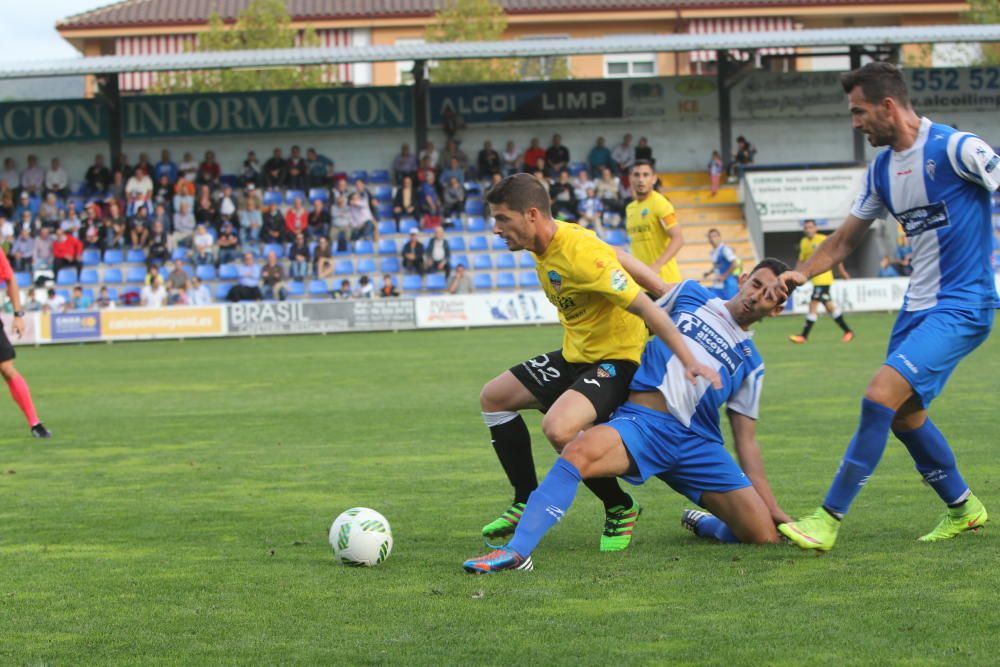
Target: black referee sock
x: 609, y: 492
x: 808, y: 327
x: 839, y: 319
x: 512, y: 443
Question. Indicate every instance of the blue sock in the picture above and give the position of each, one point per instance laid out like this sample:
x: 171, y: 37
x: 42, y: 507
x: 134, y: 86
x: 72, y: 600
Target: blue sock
x: 863, y: 454
x: 546, y: 506
x: 712, y: 527
x: 935, y: 461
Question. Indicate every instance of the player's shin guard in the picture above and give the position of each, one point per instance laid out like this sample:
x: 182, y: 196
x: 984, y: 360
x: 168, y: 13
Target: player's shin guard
x: 863, y: 454
x: 712, y: 527
x: 22, y: 396
x: 546, y: 506
x: 512, y: 443
x: 935, y: 461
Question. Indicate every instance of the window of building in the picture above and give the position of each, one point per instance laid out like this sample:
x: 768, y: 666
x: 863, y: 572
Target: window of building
x: 630, y: 64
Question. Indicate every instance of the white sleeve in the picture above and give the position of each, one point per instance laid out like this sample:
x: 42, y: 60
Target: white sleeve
x: 746, y: 399
x: 728, y: 253
x: 667, y: 301
x: 974, y: 160
x: 869, y: 204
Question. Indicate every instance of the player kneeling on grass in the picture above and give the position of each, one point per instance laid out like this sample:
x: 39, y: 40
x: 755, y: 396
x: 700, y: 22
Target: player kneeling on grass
x: 669, y: 428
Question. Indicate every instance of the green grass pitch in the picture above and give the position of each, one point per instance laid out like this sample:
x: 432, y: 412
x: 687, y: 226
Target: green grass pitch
x: 180, y: 516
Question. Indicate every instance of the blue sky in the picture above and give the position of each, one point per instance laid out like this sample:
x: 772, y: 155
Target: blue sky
x: 27, y: 31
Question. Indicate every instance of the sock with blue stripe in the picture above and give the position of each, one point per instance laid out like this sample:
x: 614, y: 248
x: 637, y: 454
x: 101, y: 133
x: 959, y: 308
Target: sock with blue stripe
x: 713, y: 527
x: 546, y: 506
x: 935, y: 461
x: 861, y: 458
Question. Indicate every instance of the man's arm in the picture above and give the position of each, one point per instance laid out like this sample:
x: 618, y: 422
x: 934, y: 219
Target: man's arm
x: 843, y: 271
x: 14, y: 294
x: 748, y: 453
x: 648, y: 279
x: 673, y: 246
x: 660, y: 324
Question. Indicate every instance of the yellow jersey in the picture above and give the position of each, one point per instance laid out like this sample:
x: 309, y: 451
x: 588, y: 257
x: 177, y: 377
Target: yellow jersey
x: 583, y: 279
x: 807, y: 247
x: 647, y: 222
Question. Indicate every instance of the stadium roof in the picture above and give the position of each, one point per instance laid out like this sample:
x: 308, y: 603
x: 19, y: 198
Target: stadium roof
x: 148, y: 13
x: 267, y: 58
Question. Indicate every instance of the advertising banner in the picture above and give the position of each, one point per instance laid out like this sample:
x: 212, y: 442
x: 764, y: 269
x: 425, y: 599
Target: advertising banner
x: 674, y: 99
x: 268, y: 317
x: 480, y: 310
x: 853, y: 296
x: 34, y: 329
x: 51, y: 121
x: 79, y: 325
x: 542, y: 100
x: 176, y: 322
x: 783, y: 199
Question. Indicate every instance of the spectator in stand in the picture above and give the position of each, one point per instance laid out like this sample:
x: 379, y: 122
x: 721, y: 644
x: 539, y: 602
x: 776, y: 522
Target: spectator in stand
x: 274, y: 170
x: 599, y: 157
x: 901, y: 260
x: 413, y: 254
x: 340, y: 216
x: 272, y: 228
x: 71, y: 222
x: 424, y: 169
x: 323, y: 259
x: 209, y: 171
x: 188, y: 168
x: 454, y: 199
x: 460, y: 283
x: 6, y: 199
x: 10, y: 174
x: 563, y: 198
x: 199, y: 294
x: 250, y: 170
x: 42, y: 257
x: 228, y: 207
x: 319, y: 169
x: 29, y: 222
x: 454, y: 170
x: 23, y: 204
x: 539, y: 174
x: 33, y: 305
x: 183, y: 192
x: 118, y: 229
x: 163, y: 192
x: 531, y: 156
x: 406, y: 202
x: 22, y: 252
x: 166, y: 167
x: 33, y: 178
x: 139, y: 229
x: 582, y: 183
x: 511, y: 159
x: 488, y: 161
x: 251, y: 222
x: 362, y: 223
x: 296, y: 218
x: 228, y: 243
x: 607, y: 188
x: 79, y: 300
x: 55, y: 303
x: 135, y: 202
x: 248, y: 287
x: 7, y: 233
x: 122, y: 166
x: 743, y: 156
x: 273, y: 278
x: 344, y: 291
x: 365, y: 289
x: 203, y: 245
x: 404, y: 164
x: 298, y: 255
x: 388, y: 288
x: 154, y: 295
x: 97, y: 177
x: 644, y: 151
x: 158, y: 252
x: 48, y: 211
x: 591, y: 212
x: 177, y: 281
x: 362, y: 191
x: 556, y: 157
x: 104, y: 300
x: 452, y: 150
x: 715, y: 172
x: 206, y: 209
x: 430, y: 202
x: 319, y: 220
x: 144, y: 164
x: 160, y: 215
x: 184, y: 225
x: 430, y: 155
x: 340, y: 189
x: 295, y: 170
x: 56, y: 179
x: 624, y: 155
x: 438, y: 254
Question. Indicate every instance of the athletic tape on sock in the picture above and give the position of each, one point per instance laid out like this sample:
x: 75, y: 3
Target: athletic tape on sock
x: 498, y: 418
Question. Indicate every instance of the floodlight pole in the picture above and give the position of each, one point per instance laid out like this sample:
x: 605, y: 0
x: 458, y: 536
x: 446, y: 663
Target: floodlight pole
x: 725, y: 104
x: 859, y: 138
x: 420, y: 86
x: 110, y: 94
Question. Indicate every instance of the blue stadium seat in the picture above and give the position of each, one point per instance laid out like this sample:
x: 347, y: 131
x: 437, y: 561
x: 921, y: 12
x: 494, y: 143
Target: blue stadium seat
x: 292, y: 195
x: 89, y: 277
x: 359, y: 174
x: 276, y: 248
x: 91, y: 257
x: 367, y: 265
x: 412, y: 283
x: 113, y: 293
x: 343, y: 267
x: 135, y: 274
x: 528, y: 280
x: 498, y: 243
x: 483, y: 281
x: 476, y: 224
x: 386, y: 227
x: 479, y: 244
x: 457, y: 244
x: 88, y: 293
x: 364, y: 247
x: 272, y: 197
x: 320, y: 194
x: 64, y: 293
x: 384, y: 210
x: 318, y: 288
x: 222, y: 290
x: 406, y: 224
x: 232, y: 180
x: 506, y: 261
x: 482, y: 262
x: 454, y: 226
x: 380, y: 176
x: 576, y: 167
x: 526, y: 260
x: 113, y: 275
x: 66, y: 277
x: 205, y: 272
x: 136, y: 256
x: 505, y: 281
x: 436, y: 282
x: 473, y: 187
x: 23, y: 278
x: 616, y: 237
x: 228, y: 272
x: 296, y: 288
x: 384, y: 194
x: 387, y: 247
x: 460, y: 259
x: 474, y: 206
x: 113, y: 256
x: 389, y: 265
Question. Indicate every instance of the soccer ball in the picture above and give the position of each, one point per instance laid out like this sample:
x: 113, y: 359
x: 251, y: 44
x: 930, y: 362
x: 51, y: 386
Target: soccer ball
x: 361, y: 537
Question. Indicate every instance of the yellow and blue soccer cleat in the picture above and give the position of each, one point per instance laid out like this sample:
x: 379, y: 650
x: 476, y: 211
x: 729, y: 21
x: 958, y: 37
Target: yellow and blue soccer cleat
x: 970, y: 516
x: 816, y: 531
x: 501, y: 559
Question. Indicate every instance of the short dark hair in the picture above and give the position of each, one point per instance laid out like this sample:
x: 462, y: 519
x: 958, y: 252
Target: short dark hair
x: 713, y: 230
x: 643, y: 163
x: 877, y: 80
x: 772, y: 264
x: 520, y: 192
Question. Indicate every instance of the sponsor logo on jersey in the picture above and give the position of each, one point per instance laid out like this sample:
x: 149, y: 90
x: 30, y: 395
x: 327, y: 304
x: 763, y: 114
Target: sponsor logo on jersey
x: 619, y: 281
x: 555, y: 280
x: 606, y: 371
x: 645, y: 212
x: 714, y: 343
x: 992, y: 164
x: 931, y: 168
x: 922, y: 219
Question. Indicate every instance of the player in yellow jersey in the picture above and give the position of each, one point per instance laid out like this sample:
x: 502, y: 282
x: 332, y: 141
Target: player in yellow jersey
x: 651, y: 222
x: 821, y: 287
x: 604, y: 314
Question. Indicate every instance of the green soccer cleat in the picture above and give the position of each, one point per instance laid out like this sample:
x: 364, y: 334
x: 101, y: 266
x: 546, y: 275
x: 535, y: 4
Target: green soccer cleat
x: 970, y: 516
x: 816, y: 531
x: 504, y: 524
x: 619, y: 522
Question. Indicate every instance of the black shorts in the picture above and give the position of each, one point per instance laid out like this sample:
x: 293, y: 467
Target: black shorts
x: 6, y: 349
x: 604, y: 383
x: 821, y: 293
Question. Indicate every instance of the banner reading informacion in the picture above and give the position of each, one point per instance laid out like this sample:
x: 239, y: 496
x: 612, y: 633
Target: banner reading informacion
x: 783, y: 199
x: 52, y: 121
x: 481, y: 310
x: 269, y: 317
x: 541, y: 100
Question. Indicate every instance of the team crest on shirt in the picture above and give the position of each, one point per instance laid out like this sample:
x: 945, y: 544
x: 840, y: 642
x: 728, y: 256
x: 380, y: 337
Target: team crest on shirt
x: 619, y: 281
x: 555, y: 280
x: 606, y: 371
x: 645, y: 212
x: 931, y: 168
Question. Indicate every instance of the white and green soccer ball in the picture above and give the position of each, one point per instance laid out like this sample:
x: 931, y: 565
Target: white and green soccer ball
x: 361, y: 537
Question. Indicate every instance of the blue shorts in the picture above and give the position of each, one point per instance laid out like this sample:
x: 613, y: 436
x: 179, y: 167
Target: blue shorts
x: 926, y: 345
x: 727, y: 290
x: 663, y: 447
